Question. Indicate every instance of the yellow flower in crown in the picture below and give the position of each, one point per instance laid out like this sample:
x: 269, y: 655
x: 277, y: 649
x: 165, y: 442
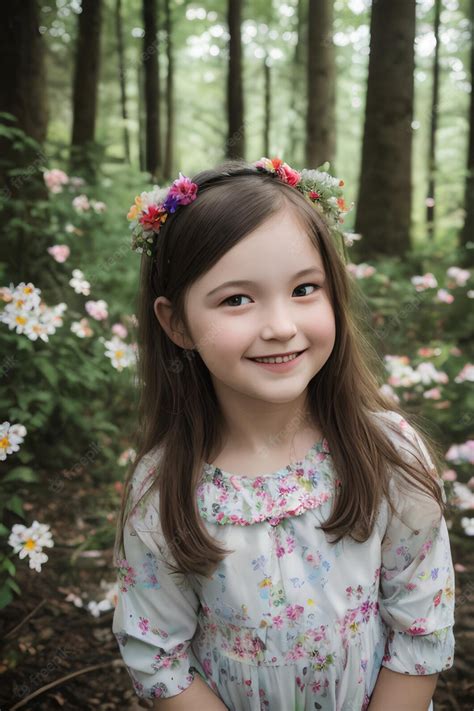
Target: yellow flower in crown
x: 135, y: 209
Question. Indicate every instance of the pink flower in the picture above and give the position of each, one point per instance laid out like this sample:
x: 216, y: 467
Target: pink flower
x: 144, y: 625
x: 292, y: 177
x: 293, y: 612
x: 444, y: 296
x: 119, y: 330
x: 433, y: 394
x: 449, y: 475
x: 59, y: 252
x: 97, y: 309
x: 184, y: 190
x: 55, y: 179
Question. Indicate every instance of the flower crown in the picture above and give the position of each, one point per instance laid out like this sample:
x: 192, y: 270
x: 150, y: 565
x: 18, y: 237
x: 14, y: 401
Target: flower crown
x: 151, y: 210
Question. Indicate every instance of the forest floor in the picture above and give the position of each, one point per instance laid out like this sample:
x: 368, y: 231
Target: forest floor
x: 59, y: 656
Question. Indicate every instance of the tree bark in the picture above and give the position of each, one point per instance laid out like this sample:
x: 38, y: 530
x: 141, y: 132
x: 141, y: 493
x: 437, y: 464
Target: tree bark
x: 384, y: 204
x: 150, y: 58
x: 235, y: 144
x: 267, y: 106
x: 430, y: 198
x: 296, y: 128
x: 86, y: 80
x: 321, y: 80
x: 467, y: 234
x: 122, y: 74
x: 23, y: 98
x: 169, y: 147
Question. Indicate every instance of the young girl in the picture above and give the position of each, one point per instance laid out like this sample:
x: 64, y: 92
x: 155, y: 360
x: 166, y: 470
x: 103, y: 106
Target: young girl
x: 282, y: 542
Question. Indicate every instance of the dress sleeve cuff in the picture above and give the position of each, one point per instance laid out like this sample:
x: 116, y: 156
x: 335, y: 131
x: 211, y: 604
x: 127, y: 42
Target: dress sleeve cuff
x: 163, y: 676
x: 419, y: 654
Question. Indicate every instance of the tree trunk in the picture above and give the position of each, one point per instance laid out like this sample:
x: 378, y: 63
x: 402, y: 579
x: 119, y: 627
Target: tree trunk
x: 296, y: 128
x: 23, y: 97
x: 151, y: 68
x: 321, y: 79
x: 467, y: 234
x: 235, y: 144
x: 430, y: 198
x: 267, y: 106
x: 84, y: 157
x: 169, y: 147
x: 384, y: 205
x: 141, y: 118
x: 122, y: 74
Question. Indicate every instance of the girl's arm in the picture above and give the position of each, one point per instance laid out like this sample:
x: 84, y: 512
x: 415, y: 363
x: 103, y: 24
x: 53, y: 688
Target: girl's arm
x: 402, y: 692
x: 197, y: 697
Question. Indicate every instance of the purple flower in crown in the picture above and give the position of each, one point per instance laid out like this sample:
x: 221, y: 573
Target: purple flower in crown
x: 183, y: 191
x: 171, y: 203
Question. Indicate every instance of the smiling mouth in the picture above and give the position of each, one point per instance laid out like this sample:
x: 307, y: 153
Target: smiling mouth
x: 277, y: 359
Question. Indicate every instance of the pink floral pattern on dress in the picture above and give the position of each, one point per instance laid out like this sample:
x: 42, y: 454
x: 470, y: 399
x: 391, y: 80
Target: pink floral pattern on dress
x: 288, y: 620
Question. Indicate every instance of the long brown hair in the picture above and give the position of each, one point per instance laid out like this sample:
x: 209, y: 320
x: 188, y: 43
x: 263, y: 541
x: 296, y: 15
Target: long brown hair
x: 178, y: 410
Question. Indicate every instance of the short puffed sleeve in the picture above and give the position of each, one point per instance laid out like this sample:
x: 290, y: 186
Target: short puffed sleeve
x: 156, y: 614
x: 416, y: 596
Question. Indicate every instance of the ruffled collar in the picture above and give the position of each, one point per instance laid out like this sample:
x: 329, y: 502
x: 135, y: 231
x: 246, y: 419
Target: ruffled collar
x: 226, y: 498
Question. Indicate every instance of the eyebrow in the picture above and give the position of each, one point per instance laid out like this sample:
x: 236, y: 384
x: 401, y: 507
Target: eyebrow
x: 247, y: 282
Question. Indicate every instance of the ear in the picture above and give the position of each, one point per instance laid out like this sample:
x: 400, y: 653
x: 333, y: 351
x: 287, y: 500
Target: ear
x: 164, y: 311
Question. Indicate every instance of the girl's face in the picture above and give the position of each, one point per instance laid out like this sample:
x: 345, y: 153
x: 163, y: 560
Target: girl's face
x: 276, y: 311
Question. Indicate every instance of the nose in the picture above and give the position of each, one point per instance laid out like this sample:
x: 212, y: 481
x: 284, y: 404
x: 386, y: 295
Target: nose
x: 279, y: 324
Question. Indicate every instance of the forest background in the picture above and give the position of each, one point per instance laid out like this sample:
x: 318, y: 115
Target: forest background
x: 99, y: 101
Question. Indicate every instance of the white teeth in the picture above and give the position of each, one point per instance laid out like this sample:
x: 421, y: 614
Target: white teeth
x: 278, y: 359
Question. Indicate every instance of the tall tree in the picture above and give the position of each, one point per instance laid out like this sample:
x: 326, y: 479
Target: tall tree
x: 384, y: 204
x: 321, y: 81
x: 430, y: 198
x: 86, y: 80
x: 267, y: 105
x: 150, y: 59
x: 122, y: 74
x: 23, y: 98
x: 235, y: 144
x: 169, y: 145
x: 467, y: 234
x: 297, y: 87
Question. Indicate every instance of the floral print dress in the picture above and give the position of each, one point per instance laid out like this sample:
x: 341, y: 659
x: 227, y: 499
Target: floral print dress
x: 288, y: 621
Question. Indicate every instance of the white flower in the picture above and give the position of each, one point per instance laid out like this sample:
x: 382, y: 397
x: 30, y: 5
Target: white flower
x: 11, y: 436
x: 460, y: 276
x: 121, y: 354
x: 463, y: 497
x: 81, y: 328
x: 81, y: 203
x: 467, y: 373
x: 30, y: 542
x: 388, y: 391
x: 461, y: 452
x: 98, y: 206
x: 444, y: 296
x: 428, y: 374
x: 468, y: 525
x: 427, y: 281
x: 128, y: 455
x: 79, y: 284
x: 360, y: 271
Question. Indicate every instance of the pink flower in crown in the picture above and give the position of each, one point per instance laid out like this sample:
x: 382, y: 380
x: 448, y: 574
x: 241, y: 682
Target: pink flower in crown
x: 184, y: 190
x: 292, y: 177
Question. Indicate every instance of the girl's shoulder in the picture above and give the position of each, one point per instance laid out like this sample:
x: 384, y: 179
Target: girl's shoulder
x: 403, y: 435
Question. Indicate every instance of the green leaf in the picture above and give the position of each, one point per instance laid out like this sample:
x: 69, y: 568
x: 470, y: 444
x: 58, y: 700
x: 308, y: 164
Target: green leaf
x: 21, y: 474
x: 14, y: 504
x: 14, y: 585
x: 8, y: 565
x: 48, y: 370
x: 6, y: 596
x: 4, y: 530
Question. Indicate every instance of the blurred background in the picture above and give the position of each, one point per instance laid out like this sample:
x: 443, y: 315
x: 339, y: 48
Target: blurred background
x: 103, y: 99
